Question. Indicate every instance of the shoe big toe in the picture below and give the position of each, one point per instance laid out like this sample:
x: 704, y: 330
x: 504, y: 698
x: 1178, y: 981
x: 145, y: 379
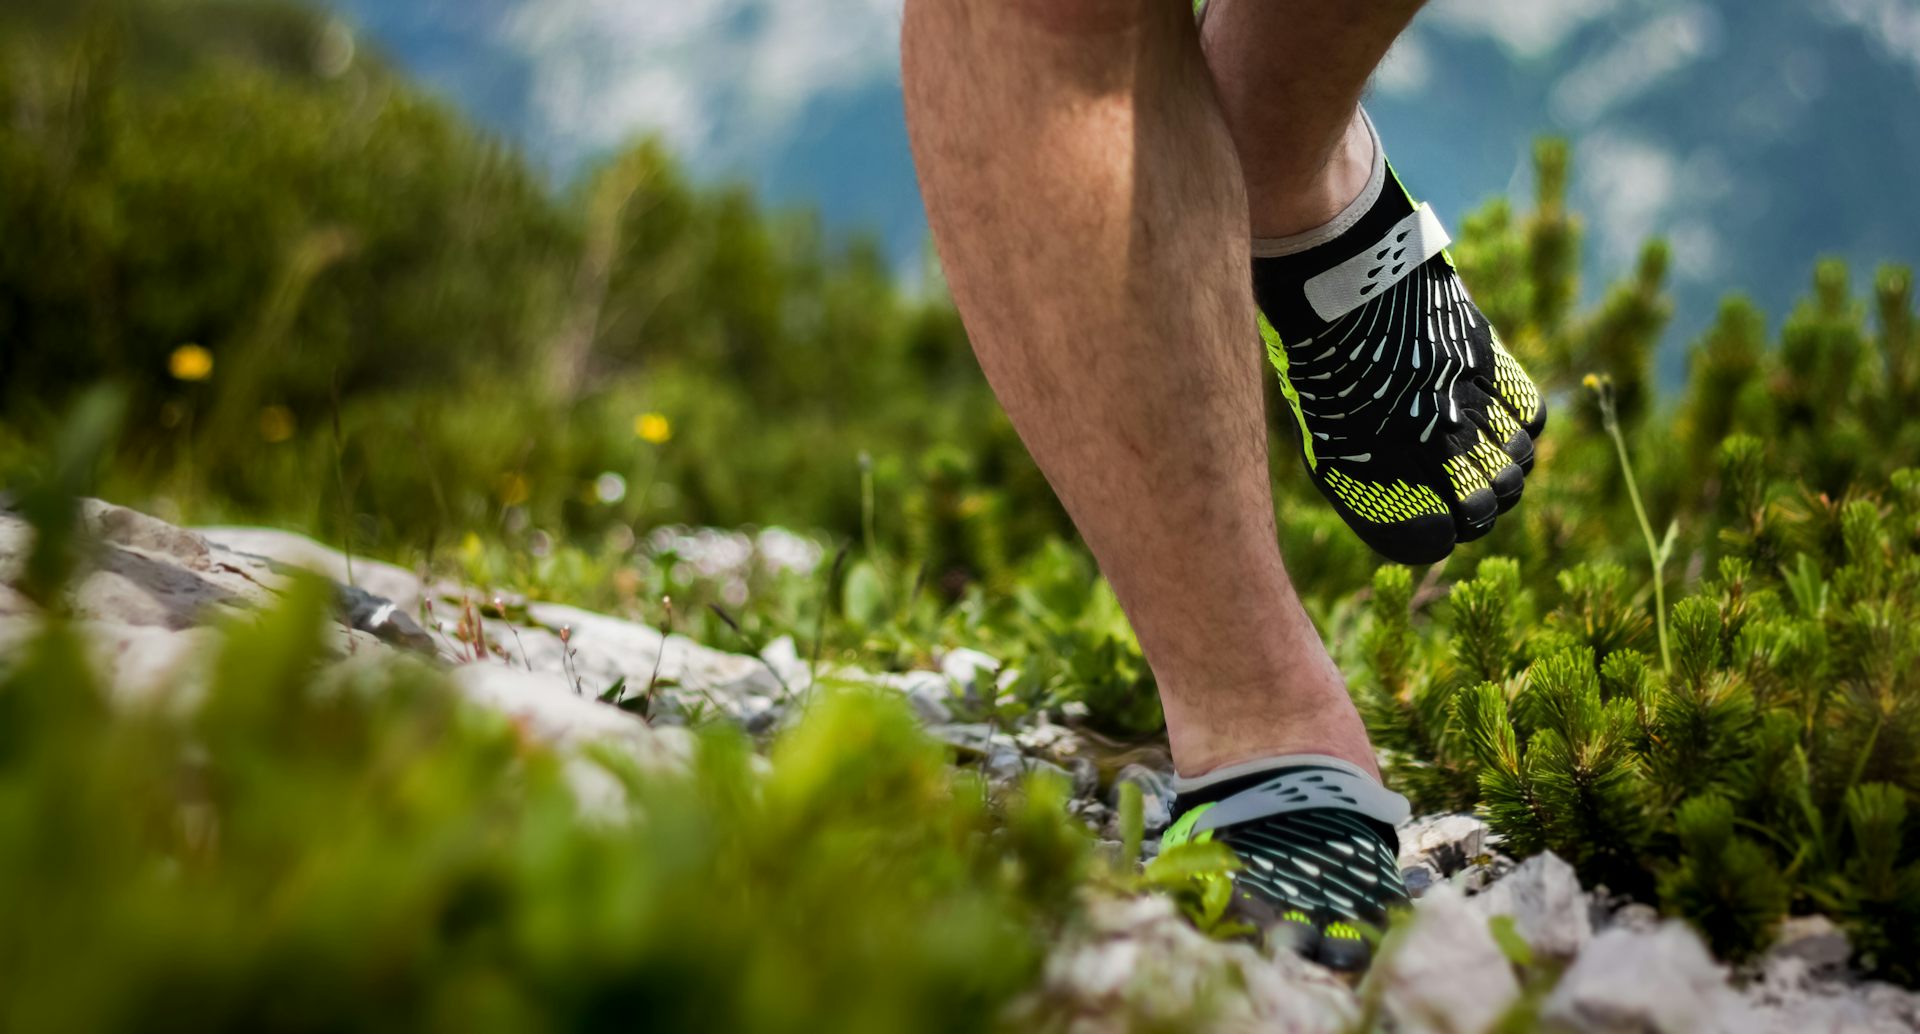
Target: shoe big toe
x: 1404, y: 523
x: 1342, y: 948
x: 1426, y: 539
x: 1498, y: 423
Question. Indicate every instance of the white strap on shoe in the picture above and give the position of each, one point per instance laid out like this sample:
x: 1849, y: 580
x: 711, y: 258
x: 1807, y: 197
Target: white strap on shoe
x: 1366, y: 276
x: 1300, y: 782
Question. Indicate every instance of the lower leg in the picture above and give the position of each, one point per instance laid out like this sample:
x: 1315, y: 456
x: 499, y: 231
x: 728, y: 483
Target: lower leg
x: 1289, y: 74
x: 1084, y: 195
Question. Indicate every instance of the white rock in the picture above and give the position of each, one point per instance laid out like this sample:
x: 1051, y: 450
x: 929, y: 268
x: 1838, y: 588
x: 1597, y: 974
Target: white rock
x: 1156, y: 794
x: 143, y: 571
x: 1790, y: 999
x: 1040, y: 735
x: 1635, y: 916
x: 1803, y: 986
x: 605, y: 649
x: 140, y: 665
x: 1815, y: 939
x: 1419, y: 879
x: 1006, y: 766
x: 783, y: 655
x: 547, y: 710
x: 1628, y: 982
x: 976, y: 738
x: 1446, y: 843
x: 146, y: 665
x: 965, y: 667
x: 396, y: 584
x: 1444, y: 973
x: 543, y: 706
x: 1548, y: 907
x: 1135, y: 964
x: 927, y: 691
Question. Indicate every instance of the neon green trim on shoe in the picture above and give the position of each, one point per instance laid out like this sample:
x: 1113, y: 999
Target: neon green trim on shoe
x: 1343, y: 931
x: 1277, y: 355
x: 1182, y: 830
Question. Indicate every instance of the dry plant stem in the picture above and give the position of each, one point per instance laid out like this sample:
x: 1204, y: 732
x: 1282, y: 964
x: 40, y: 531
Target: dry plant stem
x: 666, y: 634
x: 501, y: 606
x: 470, y: 623
x: 786, y: 692
x: 433, y: 622
x: 566, y: 659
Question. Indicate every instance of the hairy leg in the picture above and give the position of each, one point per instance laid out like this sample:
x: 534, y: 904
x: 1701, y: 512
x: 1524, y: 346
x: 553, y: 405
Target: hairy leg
x: 1089, y: 212
x: 1289, y: 74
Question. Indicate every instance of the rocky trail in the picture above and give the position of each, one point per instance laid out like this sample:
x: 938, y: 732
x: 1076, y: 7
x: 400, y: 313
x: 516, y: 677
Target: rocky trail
x: 153, y: 593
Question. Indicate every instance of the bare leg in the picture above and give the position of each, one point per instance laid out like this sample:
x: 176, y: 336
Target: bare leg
x: 1289, y: 74
x: 1088, y: 207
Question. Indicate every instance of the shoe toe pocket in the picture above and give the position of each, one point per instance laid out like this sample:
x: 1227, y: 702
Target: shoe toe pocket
x: 1303, y: 939
x: 1475, y: 513
x: 1537, y: 424
x: 1406, y: 536
x: 1348, y: 954
x: 1423, y: 540
x: 1519, y: 448
x: 1508, y: 484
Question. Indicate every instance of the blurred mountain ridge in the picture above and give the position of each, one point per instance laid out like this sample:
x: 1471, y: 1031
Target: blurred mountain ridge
x: 1751, y: 133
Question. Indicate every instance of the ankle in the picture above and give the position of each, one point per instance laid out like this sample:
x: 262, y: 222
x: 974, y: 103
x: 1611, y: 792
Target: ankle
x: 1311, y: 187
x: 1320, y: 721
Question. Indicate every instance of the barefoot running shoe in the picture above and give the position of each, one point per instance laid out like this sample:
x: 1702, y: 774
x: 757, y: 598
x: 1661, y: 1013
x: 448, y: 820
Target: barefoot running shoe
x: 1414, y: 421
x: 1319, y: 858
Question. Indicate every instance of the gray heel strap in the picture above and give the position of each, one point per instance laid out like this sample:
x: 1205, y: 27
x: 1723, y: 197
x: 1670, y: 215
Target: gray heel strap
x: 1304, y: 782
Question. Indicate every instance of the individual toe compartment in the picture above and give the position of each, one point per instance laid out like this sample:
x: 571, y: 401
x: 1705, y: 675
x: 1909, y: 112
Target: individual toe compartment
x: 1343, y: 946
x: 1497, y: 420
x: 1510, y: 384
x: 1467, y: 466
x: 1507, y: 465
x: 1397, y: 513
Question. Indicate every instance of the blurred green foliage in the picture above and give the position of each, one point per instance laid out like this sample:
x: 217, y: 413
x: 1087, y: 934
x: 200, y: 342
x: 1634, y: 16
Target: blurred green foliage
x: 406, y: 343
x: 395, y: 332
x: 357, y: 851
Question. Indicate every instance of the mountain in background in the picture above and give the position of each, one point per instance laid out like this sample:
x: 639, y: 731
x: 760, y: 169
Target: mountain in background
x: 1754, y: 134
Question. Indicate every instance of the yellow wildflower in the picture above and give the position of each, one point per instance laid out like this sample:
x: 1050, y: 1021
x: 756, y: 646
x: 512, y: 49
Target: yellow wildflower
x: 652, y: 427
x: 190, y: 363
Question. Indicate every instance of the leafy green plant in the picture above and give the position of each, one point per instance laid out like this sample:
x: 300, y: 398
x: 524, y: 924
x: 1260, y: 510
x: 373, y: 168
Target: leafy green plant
x: 1878, y: 889
x: 1195, y: 875
x: 1725, y: 883
x: 356, y: 848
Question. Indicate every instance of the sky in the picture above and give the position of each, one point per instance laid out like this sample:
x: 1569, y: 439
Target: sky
x: 1754, y: 135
